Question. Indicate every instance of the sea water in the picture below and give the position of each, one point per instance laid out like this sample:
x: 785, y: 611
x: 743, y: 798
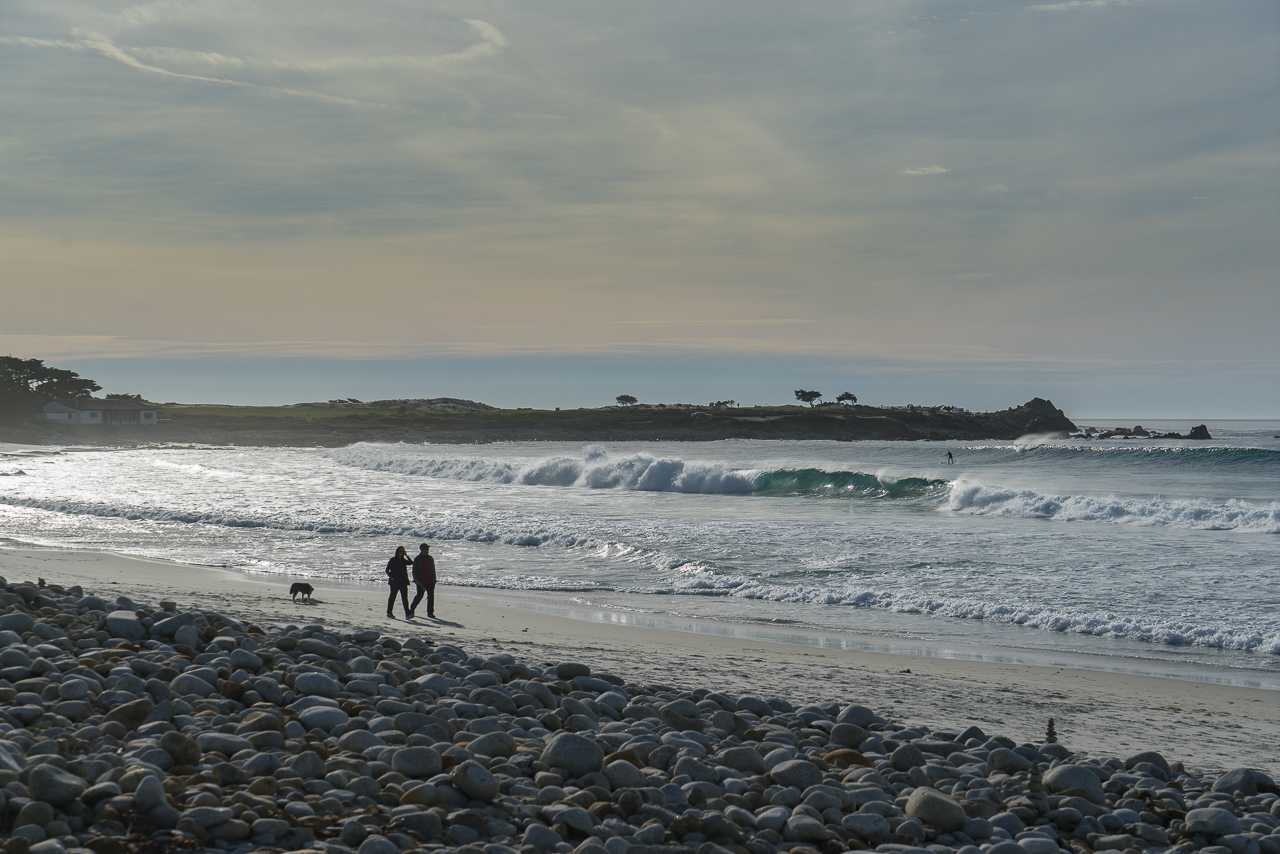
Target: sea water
x: 1156, y: 551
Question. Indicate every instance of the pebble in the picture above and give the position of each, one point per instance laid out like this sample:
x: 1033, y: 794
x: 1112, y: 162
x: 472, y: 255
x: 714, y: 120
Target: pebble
x: 209, y: 733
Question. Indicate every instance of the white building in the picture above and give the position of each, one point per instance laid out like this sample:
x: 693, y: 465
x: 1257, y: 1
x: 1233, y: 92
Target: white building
x: 90, y: 410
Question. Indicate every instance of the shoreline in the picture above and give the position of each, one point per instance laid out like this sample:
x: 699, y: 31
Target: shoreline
x: 1210, y: 726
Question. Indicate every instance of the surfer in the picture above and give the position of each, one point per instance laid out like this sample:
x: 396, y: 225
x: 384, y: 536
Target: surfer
x: 950, y: 458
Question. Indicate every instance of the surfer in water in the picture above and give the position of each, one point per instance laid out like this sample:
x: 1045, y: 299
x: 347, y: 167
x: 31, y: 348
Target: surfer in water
x: 950, y: 458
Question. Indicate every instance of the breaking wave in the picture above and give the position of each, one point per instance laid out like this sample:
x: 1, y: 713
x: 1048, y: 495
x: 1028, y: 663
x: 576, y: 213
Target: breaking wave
x: 596, y: 469
x: 1199, y: 514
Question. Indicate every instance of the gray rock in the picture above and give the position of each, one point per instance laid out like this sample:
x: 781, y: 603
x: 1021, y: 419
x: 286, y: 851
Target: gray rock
x: 418, y: 762
x: 317, y: 685
x: 188, y: 636
x: 1004, y: 759
x: 73, y: 689
x: 773, y: 818
x: 474, y: 780
x: 622, y: 775
x: 222, y: 742
x: 567, y: 670
x: 185, y: 684
x: 49, y: 846
x: 425, y: 825
x: 132, y: 714
x: 868, y: 825
x: 315, y: 646
x: 54, y: 786
x: 17, y: 621
x: 803, y: 828
x: 167, y: 627
x: 323, y: 717
x: 857, y: 715
x: 540, y: 837
x: 574, y: 818
x: 1212, y: 821
x: 849, y: 735
x: 576, y: 754
x: 242, y: 659
x: 149, y: 794
x: 359, y: 741
x: 934, y: 808
x: 1077, y: 780
x: 378, y: 845
x: 906, y: 757
x: 745, y: 759
x: 1151, y: 757
x: 1247, y: 781
x: 493, y: 744
x: 796, y: 772
x: 1008, y: 822
x: 125, y: 624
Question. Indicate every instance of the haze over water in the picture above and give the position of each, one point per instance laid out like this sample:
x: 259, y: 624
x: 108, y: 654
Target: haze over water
x: 1156, y: 550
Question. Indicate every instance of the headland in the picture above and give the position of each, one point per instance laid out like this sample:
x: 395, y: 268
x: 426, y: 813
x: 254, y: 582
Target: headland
x: 337, y: 423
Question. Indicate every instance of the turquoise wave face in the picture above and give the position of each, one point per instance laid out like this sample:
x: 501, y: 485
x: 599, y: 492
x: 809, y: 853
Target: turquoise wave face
x: 845, y: 484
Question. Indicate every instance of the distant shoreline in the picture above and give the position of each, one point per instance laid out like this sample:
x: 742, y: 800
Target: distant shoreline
x: 345, y: 425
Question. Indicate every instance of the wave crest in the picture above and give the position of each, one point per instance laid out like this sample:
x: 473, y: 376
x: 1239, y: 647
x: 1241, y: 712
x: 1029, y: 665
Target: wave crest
x: 1200, y: 514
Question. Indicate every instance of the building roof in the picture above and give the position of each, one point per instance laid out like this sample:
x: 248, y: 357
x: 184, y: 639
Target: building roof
x: 91, y: 404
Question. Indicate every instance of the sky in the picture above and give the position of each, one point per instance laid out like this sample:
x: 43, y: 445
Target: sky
x: 552, y: 203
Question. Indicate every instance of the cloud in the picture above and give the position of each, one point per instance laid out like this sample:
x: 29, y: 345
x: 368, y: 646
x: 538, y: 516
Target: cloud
x: 924, y: 170
x: 1075, y: 5
x: 491, y: 42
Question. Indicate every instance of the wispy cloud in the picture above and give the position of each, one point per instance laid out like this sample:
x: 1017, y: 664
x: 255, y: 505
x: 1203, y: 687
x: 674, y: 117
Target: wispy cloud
x: 924, y: 170
x: 1077, y: 5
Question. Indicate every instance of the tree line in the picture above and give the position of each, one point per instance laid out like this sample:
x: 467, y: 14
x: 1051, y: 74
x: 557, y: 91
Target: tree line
x: 28, y: 384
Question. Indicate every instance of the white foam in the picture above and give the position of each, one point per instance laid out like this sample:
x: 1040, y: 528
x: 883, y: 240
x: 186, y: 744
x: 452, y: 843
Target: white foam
x: 596, y: 469
x: 1201, y: 514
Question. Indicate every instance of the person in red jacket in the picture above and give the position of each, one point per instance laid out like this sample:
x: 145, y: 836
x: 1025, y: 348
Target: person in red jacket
x: 424, y: 575
x: 398, y: 579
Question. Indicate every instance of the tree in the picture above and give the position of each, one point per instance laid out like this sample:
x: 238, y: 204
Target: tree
x: 809, y: 397
x: 626, y: 400
x: 30, y: 383
x: 847, y: 396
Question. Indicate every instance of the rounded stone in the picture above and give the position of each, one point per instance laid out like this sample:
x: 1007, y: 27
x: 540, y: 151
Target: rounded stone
x: 323, y: 717
x: 934, y: 808
x: 623, y: 775
x: 493, y: 744
x: 1212, y: 821
x: 222, y: 742
x: 317, y: 685
x: 150, y: 793
x: 54, y: 786
x: 126, y: 625
x: 474, y: 780
x: 796, y: 772
x: 575, y: 753
x: 418, y: 762
x: 73, y: 689
x: 1075, y: 780
x: 378, y: 845
x: 856, y: 715
x: 906, y: 757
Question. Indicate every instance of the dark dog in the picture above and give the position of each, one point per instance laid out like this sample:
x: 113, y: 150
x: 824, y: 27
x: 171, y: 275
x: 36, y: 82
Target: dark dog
x: 303, y: 588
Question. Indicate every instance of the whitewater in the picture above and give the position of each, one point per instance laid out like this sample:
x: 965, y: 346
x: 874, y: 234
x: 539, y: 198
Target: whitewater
x: 1163, y: 550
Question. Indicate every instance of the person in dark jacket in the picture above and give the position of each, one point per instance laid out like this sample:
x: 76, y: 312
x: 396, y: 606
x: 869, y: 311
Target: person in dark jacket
x: 398, y: 579
x: 424, y: 575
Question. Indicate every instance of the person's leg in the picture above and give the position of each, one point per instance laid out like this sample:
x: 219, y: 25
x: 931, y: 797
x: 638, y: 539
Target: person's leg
x: 391, y: 601
x: 431, y: 600
x: 404, y: 600
x: 413, y: 606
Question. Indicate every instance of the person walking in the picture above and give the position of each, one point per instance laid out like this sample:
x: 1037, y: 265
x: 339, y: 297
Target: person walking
x: 398, y: 580
x: 950, y: 458
x: 424, y: 575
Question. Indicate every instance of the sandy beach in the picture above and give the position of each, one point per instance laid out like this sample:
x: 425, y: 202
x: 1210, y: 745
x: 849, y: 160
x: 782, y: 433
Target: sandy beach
x: 1207, y: 726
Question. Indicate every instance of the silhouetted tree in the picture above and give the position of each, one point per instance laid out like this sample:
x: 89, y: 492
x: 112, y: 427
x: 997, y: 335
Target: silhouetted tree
x: 847, y: 396
x: 626, y: 400
x: 809, y: 397
x: 28, y: 384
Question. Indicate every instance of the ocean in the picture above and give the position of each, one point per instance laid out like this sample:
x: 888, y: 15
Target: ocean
x: 1145, y: 556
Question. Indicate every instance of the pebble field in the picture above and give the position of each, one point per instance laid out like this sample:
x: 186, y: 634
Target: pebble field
x: 128, y: 727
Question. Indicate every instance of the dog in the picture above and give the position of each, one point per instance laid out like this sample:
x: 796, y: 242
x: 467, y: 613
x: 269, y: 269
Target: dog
x: 301, y: 588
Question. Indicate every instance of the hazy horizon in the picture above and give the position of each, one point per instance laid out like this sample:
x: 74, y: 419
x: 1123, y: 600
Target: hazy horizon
x: 292, y: 200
